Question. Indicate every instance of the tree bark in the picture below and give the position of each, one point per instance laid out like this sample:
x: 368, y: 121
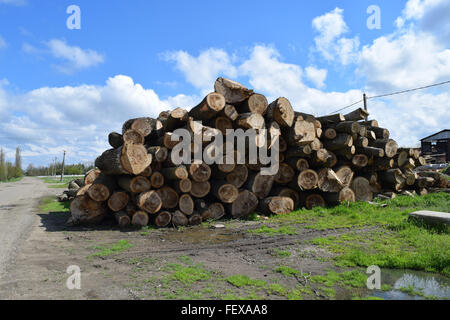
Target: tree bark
x: 186, y: 204
x: 169, y: 197
x: 285, y: 174
x: 91, y: 175
x: 175, y: 173
x: 179, y: 219
x: 84, y: 210
x: 132, y: 184
x: 209, y: 107
x: 214, y: 212
x: 276, y: 205
x: 281, y: 112
x: 250, y: 121
x: 346, y: 195
x: 122, y: 218
x: 260, y: 184
x: 256, y: 103
x: 246, y: 203
x: 176, y: 119
x: 232, y: 91
x: 361, y: 188
x: 144, y: 126
x: 314, y: 200
x: 128, y: 159
x: 238, y: 176
x: 102, y: 188
x: 115, y: 140
x: 133, y: 136
x: 389, y: 146
x: 230, y: 112
x: 358, y: 114
x: 159, y: 153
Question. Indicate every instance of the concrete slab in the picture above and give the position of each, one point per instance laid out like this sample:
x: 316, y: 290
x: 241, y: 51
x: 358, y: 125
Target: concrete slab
x: 432, y: 217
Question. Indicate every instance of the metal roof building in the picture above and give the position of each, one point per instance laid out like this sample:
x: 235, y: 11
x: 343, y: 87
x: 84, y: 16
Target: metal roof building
x: 437, y: 145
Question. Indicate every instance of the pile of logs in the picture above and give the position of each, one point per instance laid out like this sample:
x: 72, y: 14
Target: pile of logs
x: 73, y: 187
x: 323, y: 161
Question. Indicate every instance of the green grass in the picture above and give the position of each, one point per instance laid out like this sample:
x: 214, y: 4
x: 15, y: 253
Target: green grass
x: 243, y: 280
x: 57, y: 179
x: 349, y: 279
x: 188, y: 275
x: 105, y: 251
x: 287, y: 271
x: 12, y: 180
x: 363, y: 214
x: 281, y: 253
x: 50, y: 204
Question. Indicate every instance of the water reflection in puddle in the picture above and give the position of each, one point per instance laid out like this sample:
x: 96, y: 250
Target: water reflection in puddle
x: 431, y: 285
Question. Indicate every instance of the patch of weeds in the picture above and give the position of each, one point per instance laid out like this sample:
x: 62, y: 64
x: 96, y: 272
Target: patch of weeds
x: 353, y: 279
x: 287, y: 271
x: 252, y: 217
x: 145, y: 231
x: 50, y: 204
x: 294, y: 295
x: 186, y: 260
x: 276, y: 289
x: 386, y: 287
x: 329, y: 292
x: 275, y: 231
x: 104, y: 251
x: 281, y: 253
x: 188, y: 275
x: 243, y: 281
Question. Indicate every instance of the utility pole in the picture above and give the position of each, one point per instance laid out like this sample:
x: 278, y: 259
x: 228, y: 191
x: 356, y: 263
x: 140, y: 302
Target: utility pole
x: 62, y: 170
x: 365, y: 103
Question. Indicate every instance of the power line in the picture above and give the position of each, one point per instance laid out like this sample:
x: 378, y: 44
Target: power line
x: 409, y: 90
x: 393, y: 93
x: 351, y: 105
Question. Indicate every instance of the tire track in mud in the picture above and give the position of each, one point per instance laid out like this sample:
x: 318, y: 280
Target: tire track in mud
x: 247, y: 245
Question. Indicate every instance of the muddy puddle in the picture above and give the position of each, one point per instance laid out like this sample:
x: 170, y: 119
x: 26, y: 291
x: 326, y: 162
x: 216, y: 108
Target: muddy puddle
x: 203, y: 235
x: 430, y: 285
x: 7, y: 207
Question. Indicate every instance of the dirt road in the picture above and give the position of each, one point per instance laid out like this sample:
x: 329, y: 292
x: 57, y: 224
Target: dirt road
x: 18, y: 212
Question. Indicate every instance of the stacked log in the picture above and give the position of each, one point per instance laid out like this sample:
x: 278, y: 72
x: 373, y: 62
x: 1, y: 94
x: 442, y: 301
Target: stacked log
x: 322, y: 161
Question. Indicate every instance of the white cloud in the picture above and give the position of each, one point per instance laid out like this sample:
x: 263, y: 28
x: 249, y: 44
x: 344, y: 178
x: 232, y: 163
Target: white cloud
x: 431, y: 16
x: 416, y: 54
x: 201, y: 71
x: 78, y: 119
x: 75, y: 57
x: 330, y: 43
x: 403, y: 61
x: 316, y: 76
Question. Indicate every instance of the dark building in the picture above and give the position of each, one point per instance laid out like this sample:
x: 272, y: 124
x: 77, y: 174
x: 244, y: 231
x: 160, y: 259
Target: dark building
x: 437, y: 146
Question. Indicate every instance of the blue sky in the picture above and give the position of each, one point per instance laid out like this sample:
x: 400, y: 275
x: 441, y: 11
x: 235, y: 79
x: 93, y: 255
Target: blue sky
x: 66, y: 89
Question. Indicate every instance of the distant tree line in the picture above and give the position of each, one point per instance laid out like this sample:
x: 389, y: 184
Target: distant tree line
x: 8, y: 170
x: 56, y: 169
